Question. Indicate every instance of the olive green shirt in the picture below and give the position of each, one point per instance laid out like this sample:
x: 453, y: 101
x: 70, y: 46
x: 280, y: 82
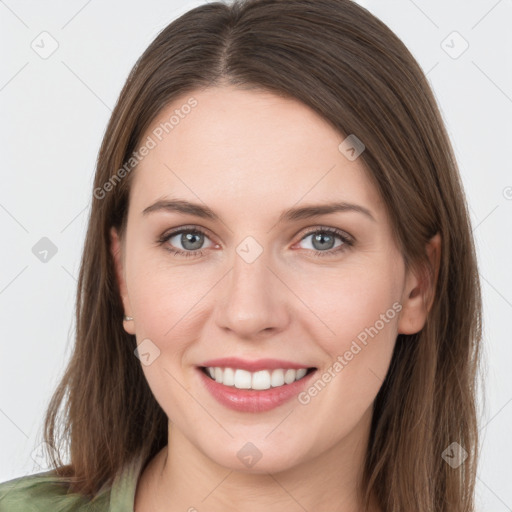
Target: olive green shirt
x: 42, y: 492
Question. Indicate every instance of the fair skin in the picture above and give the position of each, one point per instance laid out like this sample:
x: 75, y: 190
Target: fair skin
x: 248, y: 156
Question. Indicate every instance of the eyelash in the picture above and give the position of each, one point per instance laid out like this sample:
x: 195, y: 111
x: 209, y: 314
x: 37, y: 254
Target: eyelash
x: 347, y: 241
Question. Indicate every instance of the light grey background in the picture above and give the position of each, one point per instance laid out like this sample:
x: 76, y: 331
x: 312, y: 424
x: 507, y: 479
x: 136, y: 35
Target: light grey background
x: 54, y: 112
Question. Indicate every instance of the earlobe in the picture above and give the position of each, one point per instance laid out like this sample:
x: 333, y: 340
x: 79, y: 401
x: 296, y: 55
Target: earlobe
x: 419, y: 291
x: 117, y: 257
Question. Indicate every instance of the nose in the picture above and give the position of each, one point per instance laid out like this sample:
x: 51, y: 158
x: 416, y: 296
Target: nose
x: 252, y: 302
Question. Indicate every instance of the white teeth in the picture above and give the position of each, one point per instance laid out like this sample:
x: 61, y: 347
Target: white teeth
x: 260, y: 380
x: 277, y: 378
x: 228, y: 377
x: 301, y: 373
x: 289, y: 376
x: 242, y: 379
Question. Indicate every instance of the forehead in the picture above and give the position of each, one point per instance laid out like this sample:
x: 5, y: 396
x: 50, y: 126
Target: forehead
x: 250, y: 148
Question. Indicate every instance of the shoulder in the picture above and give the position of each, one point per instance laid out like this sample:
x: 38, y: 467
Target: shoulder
x: 46, y: 492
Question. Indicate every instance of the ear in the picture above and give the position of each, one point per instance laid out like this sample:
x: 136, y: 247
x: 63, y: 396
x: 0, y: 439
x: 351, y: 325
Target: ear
x: 116, y: 250
x: 419, y: 290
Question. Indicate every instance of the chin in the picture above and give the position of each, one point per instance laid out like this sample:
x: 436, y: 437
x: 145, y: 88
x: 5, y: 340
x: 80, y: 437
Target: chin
x: 253, y: 457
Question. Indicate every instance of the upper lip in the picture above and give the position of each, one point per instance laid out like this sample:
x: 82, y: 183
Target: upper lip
x: 253, y: 366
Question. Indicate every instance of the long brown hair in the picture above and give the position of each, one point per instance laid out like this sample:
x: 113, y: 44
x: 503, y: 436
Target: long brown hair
x: 339, y: 59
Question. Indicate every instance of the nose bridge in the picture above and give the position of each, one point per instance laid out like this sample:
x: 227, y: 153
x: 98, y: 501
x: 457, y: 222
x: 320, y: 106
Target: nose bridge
x: 250, y: 272
x: 251, y: 301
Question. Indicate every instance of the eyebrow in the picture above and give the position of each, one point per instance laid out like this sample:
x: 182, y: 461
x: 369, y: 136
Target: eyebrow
x: 293, y: 214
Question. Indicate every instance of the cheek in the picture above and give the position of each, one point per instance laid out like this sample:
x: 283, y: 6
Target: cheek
x: 170, y: 306
x: 162, y: 294
x: 361, y: 308
x: 165, y: 306
x: 352, y: 303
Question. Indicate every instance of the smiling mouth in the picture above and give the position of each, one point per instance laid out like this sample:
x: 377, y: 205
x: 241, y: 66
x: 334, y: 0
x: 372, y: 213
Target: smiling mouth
x: 259, y: 380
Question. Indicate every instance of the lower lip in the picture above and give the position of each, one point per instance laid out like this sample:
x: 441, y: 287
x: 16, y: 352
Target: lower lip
x: 247, y: 400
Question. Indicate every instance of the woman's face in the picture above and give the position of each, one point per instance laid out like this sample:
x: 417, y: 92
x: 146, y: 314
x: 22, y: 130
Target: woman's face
x: 243, y: 267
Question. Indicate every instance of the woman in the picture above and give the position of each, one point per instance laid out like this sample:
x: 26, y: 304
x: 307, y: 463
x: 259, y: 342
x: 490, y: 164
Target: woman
x: 278, y: 302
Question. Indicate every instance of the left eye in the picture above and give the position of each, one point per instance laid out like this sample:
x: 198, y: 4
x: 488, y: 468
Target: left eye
x: 324, y: 240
